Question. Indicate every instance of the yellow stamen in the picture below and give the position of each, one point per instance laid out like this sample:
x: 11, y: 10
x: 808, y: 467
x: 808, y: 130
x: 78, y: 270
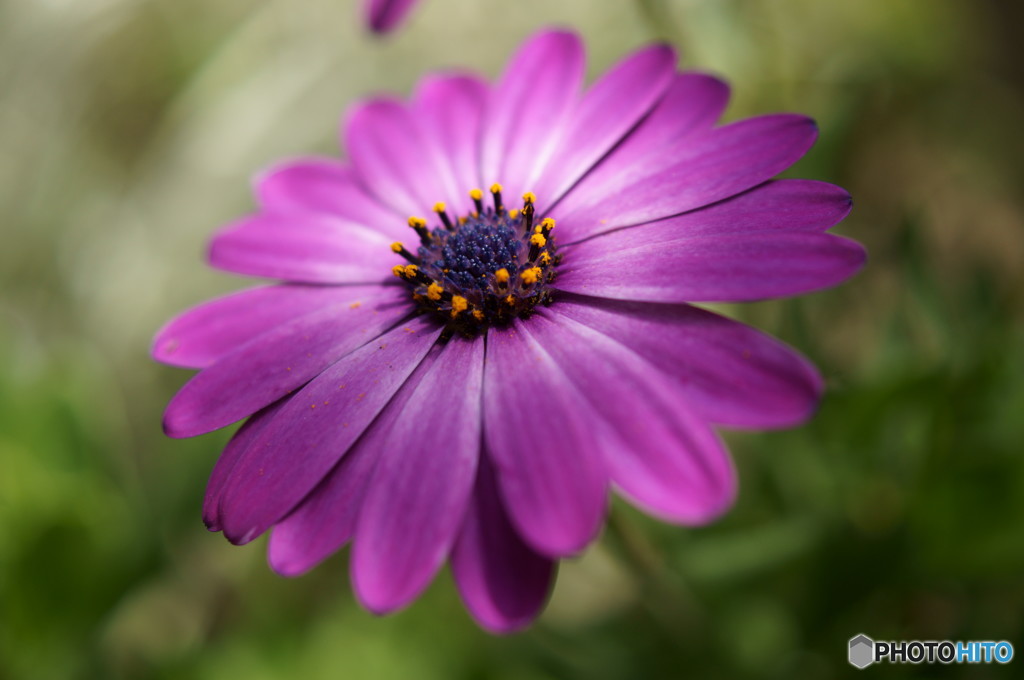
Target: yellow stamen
x: 547, y: 223
x: 398, y: 270
x: 411, y: 269
x: 538, y: 240
x: 495, y: 188
x: 478, y: 315
x: 434, y: 291
x: 529, y: 197
x: 531, y: 275
x: 545, y: 258
x: 439, y: 207
x: 397, y: 247
x: 510, y: 300
x: 501, y: 276
x: 476, y: 194
x: 459, y: 304
x: 416, y: 222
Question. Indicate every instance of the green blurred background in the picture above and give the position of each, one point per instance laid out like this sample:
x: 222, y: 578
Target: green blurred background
x: 128, y: 132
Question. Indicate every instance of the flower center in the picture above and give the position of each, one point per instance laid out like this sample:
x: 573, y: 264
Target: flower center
x: 483, y: 269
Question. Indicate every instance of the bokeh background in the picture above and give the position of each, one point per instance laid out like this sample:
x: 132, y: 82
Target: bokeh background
x: 128, y: 132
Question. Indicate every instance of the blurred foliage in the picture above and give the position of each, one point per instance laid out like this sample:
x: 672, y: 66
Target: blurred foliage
x: 127, y: 131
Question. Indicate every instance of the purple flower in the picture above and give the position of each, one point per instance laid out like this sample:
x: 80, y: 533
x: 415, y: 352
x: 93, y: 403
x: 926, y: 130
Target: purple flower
x: 382, y: 16
x: 469, y: 383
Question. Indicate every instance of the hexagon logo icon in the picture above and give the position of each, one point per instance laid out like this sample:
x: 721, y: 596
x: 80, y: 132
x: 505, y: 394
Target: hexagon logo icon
x: 862, y: 651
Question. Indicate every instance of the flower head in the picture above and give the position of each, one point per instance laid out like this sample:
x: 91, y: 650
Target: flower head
x: 383, y: 16
x: 484, y: 324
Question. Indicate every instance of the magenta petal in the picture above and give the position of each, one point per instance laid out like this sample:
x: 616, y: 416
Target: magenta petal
x: 229, y: 457
x: 450, y: 110
x: 608, y: 111
x: 719, y: 268
x: 304, y: 248
x: 200, y: 336
x: 315, y: 427
x: 705, y: 168
x: 658, y: 452
x: 778, y: 205
x: 383, y: 16
x: 690, y: 106
x: 429, y: 445
x: 549, y: 468
x: 528, y: 110
x: 324, y: 186
x: 284, y: 358
x: 734, y: 375
x: 326, y: 519
x: 392, y: 158
x: 503, y: 582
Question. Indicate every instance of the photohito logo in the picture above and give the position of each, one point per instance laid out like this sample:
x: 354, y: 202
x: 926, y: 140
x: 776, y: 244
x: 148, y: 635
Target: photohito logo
x: 863, y: 651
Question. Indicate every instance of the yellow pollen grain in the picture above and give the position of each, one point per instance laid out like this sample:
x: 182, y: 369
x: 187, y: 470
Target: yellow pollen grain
x: 529, y: 197
x: 459, y: 304
x: 501, y: 276
x: 510, y: 300
x: 478, y: 315
x: 397, y: 247
x: 495, y: 188
x: 355, y: 305
x: 531, y: 275
x: 417, y: 222
x: 434, y: 291
x: 476, y: 194
x: 538, y: 240
x: 439, y: 207
x: 545, y: 258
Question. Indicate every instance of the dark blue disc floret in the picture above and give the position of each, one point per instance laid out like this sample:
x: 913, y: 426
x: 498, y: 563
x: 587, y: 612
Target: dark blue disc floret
x: 477, y: 249
x: 483, y: 269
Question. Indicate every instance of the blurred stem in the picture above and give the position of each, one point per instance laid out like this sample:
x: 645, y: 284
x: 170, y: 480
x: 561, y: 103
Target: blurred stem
x: 663, y: 593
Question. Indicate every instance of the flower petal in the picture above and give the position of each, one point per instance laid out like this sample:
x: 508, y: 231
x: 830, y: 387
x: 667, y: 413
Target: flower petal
x: 305, y: 248
x: 549, y: 468
x: 608, y: 111
x: 658, y: 451
x: 383, y: 16
x: 315, y: 427
x: 325, y: 186
x: 392, y: 158
x: 229, y: 457
x: 284, y: 358
x: 203, y: 334
x: 691, y: 105
x: 529, y: 108
x: 776, y: 205
x: 450, y: 110
x: 733, y: 374
x: 503, y: 582
x: 705, y: 168
x: 719, y: 268
x: 429, y: 445
x: 326, y: 519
